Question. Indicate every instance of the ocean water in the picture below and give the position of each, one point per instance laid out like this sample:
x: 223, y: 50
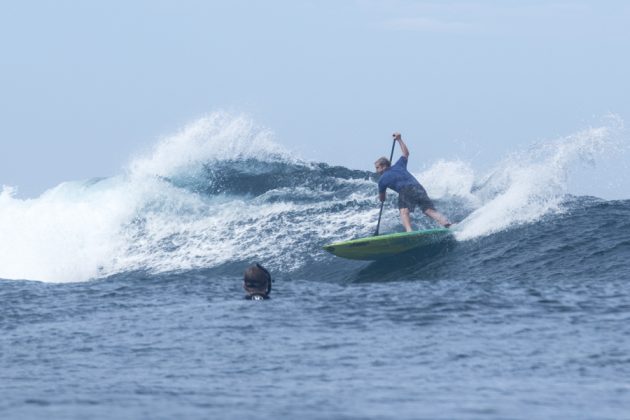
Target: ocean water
x: 121, y: 297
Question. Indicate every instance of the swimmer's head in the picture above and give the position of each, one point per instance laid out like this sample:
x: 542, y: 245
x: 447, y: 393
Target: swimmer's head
x: 257, y: 282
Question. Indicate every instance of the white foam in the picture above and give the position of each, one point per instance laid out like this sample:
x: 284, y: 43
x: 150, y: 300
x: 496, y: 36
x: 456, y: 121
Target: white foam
x: 446, y: 179
x: 64, y: 235
x: 531, y: 184
x: 218, y: 136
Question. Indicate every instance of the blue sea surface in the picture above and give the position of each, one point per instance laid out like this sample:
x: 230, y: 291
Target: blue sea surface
x: 137, y: 311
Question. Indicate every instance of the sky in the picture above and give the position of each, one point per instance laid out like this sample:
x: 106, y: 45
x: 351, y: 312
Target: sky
x: 85, y: 85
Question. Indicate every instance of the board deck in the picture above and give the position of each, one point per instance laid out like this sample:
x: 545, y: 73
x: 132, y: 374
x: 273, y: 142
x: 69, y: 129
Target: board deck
x: 383, y: 246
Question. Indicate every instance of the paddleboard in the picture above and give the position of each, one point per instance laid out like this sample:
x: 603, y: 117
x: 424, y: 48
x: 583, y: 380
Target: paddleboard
x: 383, y: 246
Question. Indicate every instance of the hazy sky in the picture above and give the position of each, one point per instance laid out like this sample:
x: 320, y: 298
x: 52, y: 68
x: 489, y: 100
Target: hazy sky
x: 86, y: 84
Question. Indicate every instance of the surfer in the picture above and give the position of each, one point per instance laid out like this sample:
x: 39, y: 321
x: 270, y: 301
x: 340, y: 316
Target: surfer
x: 257, y: 282
x: 410, y: 192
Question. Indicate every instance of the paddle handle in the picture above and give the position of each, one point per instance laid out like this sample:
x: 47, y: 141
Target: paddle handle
x: 380, y: 213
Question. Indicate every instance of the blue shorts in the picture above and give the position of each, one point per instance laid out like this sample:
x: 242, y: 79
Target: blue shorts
x: 412, y: 196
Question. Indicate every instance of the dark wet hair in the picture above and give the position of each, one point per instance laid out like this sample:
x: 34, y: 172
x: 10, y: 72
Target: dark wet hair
x: 257, y: 280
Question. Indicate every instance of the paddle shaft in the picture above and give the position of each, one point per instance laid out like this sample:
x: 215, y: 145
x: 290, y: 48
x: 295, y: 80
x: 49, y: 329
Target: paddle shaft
x: 380, y: 213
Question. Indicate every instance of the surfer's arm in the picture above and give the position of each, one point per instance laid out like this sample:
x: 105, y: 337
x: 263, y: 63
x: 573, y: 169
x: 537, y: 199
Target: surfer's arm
x: 381, y: 196
x: 403, y: 147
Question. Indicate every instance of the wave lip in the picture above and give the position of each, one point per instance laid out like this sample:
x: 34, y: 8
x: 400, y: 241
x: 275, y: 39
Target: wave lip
x: 222, y: 192
x: 214, y: 138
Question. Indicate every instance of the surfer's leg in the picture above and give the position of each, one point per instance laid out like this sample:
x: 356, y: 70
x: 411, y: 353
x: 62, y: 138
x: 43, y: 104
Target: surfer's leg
x: 405, y: 219
x: 437, y: 216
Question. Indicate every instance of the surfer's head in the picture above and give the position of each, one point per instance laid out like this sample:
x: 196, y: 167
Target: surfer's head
x: 382, y: 164
x: 257, y: 282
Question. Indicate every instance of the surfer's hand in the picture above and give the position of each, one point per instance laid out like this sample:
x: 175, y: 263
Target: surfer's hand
x: 396, y: 136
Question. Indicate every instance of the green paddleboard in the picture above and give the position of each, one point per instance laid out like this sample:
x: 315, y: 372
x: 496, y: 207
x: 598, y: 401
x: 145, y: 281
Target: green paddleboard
x: 383, y: 246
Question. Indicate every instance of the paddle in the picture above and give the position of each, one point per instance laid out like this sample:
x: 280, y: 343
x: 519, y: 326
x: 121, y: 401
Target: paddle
x: 391, y: 155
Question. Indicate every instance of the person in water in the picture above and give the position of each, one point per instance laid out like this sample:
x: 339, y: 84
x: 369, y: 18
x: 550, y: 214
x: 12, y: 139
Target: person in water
x: 410, y: 192
x: 257, y: 282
